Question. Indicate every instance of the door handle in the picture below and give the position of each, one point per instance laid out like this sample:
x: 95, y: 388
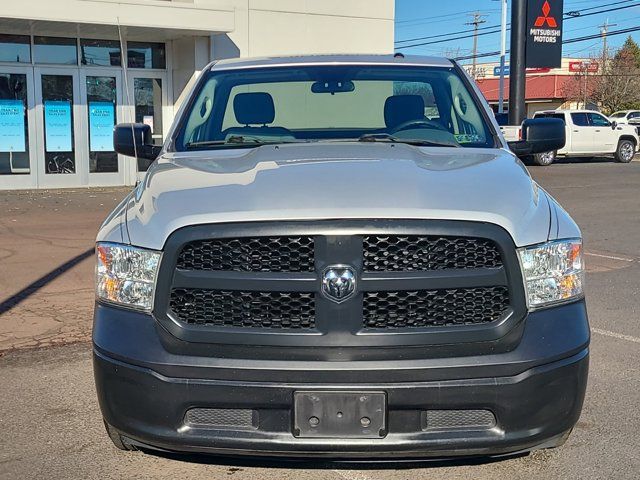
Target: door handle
x: 597, y: 131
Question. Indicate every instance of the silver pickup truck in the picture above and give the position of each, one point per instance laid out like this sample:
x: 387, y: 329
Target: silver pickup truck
x: 339, y: 257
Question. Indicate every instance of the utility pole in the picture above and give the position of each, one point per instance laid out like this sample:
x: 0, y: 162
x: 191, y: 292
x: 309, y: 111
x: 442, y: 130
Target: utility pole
x: 517, y: 63
x: 585, y: 68
x: 503, y: 55
x: 604, y: 29
x: 476, y: 22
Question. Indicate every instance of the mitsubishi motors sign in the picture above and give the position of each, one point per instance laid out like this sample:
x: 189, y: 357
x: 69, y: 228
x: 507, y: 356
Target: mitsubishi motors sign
x: 544, y: 33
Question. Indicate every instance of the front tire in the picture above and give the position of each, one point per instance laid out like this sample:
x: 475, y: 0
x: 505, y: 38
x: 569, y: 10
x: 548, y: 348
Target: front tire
x: 544, y: 159
x: 625, y: 152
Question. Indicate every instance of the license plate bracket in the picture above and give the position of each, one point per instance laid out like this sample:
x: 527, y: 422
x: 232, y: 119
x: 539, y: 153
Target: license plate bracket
x: 340, y: 414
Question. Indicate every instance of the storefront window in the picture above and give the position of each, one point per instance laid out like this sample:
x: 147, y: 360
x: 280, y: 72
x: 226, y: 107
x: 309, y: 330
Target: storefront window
x: 14, y: 130
x: 146, y: 55
x: 101, y: 105
x: 103, y: 53
x: 55, y: 50
x: 57, y: 100
x: 15, y: 48
x: 148, y: 104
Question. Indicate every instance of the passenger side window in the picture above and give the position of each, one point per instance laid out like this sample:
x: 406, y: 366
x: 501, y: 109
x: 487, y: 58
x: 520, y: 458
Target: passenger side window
x: 598, y: 120
x: 580, y: 119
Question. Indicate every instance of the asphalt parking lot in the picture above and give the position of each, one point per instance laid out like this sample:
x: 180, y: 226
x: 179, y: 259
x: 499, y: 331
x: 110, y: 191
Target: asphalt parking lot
x: 50, y: 422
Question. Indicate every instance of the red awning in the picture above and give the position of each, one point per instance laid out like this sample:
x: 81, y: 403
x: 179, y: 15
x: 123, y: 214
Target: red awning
x: 544, y: 87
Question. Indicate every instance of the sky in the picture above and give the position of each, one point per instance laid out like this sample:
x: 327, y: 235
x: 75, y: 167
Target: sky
x: 427, y: 18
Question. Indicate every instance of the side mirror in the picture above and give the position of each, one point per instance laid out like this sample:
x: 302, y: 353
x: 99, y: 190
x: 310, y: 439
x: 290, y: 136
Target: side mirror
x: 614, y: 124
x: 135, y: 140
x: 540, y: 135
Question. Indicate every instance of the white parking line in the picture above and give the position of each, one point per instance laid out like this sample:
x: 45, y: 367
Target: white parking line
x: 610, y: 257
x: 619, y: 336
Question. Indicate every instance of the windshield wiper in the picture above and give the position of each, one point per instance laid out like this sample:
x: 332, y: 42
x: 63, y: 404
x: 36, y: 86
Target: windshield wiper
x: 419, y: 142
x: 235, y: 140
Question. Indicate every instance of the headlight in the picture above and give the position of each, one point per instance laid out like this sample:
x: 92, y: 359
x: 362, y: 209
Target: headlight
x: 126, y: 275
x: 553, y: 272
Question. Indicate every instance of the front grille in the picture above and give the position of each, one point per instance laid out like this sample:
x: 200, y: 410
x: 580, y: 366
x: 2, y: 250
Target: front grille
x: 395, y: 253
x: 416, y: 283
x: 250, y: 254
x: 267, y: 310
x: 434, y: 308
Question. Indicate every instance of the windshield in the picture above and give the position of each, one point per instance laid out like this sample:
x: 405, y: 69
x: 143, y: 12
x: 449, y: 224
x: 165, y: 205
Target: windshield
x: 420, y: 105
x: 619, y: 115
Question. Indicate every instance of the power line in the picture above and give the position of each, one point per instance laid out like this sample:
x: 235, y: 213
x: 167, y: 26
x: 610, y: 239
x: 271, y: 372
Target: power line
x: 567, y: 16
x: 571, y: 40
x: 438, y: 17
x: 444, y: 34
x: 435, y: 19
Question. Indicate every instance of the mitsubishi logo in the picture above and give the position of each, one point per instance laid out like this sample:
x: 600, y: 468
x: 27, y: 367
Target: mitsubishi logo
x: 338, y: 283
x: 545, y: 18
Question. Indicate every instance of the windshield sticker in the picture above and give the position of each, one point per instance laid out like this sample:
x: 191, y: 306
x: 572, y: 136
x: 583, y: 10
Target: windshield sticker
x: 468, y: 138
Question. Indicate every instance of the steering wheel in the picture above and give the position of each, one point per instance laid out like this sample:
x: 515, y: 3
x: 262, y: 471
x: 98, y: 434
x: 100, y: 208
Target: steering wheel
x: 417, y: 123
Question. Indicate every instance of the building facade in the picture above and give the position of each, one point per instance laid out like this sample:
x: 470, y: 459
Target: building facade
x: 546, y: 88
x: 71, y: 69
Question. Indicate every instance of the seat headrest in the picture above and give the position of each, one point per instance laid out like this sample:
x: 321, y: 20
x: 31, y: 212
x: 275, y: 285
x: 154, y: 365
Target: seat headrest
x: 402, y: 108
x: 254, y: 108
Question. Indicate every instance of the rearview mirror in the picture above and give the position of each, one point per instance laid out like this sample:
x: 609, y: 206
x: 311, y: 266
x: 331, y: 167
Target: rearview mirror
x: 135, y: 140
x: 333, y: 86
x: 540, y: 135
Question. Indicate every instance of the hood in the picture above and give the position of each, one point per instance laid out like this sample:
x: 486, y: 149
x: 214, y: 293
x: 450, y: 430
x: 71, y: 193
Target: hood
x: 337, y: 181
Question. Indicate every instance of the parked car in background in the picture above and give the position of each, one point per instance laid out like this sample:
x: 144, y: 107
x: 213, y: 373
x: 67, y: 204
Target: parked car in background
x: 591, y: 134
x: 626, y: 117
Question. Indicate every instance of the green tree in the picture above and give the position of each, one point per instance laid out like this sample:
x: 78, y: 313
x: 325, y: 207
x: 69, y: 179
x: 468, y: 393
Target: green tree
x: 630, y: 50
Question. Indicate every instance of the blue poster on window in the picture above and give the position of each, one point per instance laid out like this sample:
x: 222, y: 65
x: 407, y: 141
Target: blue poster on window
x: 57, y: 126
x: 101, y: 121
x: 12, y: 136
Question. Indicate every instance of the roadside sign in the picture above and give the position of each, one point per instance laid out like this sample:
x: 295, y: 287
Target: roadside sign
x: 588, y: 66
x: 496, y: 70
x: 544, y: 34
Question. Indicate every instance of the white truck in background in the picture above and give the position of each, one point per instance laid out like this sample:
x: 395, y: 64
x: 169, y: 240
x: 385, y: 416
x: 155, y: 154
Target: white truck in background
x: 591, y: 134
x: 511, y: 133
x: 588, y: 133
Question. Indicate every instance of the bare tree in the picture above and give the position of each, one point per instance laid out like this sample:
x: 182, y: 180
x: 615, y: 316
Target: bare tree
x: 619, y: 86
x: 615, y: 87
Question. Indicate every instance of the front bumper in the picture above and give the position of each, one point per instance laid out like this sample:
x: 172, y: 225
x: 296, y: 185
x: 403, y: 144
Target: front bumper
x: 535, y: 392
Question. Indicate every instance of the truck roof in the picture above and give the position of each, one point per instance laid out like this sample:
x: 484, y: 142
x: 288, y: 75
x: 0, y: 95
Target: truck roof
x: 391, y: 59
x: 567, y: 111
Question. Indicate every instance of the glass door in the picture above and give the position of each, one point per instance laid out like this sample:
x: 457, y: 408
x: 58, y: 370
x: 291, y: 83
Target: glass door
x: 148, y: 94
x: 58, y: 117
x: 101, y: 92
x: 17, y: 128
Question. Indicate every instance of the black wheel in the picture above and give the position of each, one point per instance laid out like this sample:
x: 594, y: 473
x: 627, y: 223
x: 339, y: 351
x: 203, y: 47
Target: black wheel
x: 544, y: 159
x: 625, y: 152
x: 118, y: 440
